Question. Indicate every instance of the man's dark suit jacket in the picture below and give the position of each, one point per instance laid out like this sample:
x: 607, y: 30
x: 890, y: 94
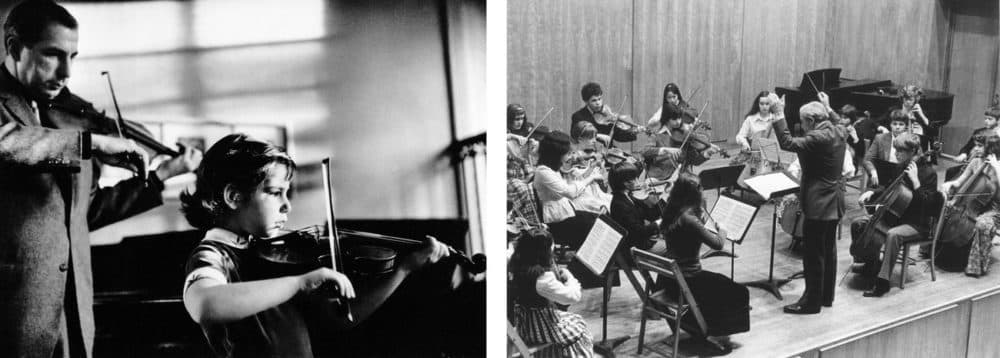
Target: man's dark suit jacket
x: 584, y: 115
x: 49, y: 203
x: 821, y: 154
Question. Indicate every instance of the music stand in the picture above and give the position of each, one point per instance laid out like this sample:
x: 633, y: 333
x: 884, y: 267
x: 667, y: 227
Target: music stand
x: 718, y: 178
x: 606, y: 347
x: 770, y: 284
x: 743, y: 230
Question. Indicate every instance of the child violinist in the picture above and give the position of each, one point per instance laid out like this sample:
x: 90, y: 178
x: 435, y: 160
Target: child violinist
x: 536, y: 284
x: 241, y: 193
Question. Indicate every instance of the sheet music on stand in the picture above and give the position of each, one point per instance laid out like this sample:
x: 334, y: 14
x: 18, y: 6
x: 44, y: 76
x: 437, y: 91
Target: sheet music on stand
x: 734, y: 216
x: 600, y: 244
x: 773, y: 184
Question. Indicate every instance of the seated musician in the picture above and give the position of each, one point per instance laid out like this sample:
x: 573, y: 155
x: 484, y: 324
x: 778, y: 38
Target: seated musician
x: 883, y: 147
x: 922, y: 180
x: 517, y: 120
x: 600, y: 115
x: 724, y: 303
x: 664, y: 155
x: 968, y: 151
x: 587, y: 152
x: 536, y: 287
x: 917, y: 121
x: 754, y: 132
x: 637, y: 216
x: 987, y: 222
x: 989, y: 128
x: 568, y: 225
x: 241, y: 193
x: 672, y: 95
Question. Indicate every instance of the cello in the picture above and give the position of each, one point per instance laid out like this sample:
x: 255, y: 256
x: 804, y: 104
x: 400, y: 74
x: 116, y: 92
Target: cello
x: 970, y: 200
x: 892, y: 203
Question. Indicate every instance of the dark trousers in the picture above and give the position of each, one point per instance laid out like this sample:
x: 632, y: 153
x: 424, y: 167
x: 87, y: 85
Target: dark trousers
x: 819, y: 261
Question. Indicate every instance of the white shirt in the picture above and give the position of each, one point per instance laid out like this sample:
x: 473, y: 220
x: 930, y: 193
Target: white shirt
x: 551, y: 288
x: 555, y: 193
x: 755, y: 126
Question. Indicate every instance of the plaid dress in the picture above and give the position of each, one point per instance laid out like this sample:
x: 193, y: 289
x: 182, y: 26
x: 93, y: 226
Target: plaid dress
x: 982, y: 243
x: 538, y: 321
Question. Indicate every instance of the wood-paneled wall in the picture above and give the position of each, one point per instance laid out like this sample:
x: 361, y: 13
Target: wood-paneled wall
x: 736, y: 48
x: 555, y: 47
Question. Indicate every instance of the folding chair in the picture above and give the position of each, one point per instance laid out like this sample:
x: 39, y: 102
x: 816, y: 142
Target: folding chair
x: 936, y: 224
x: 672, y: 309
x: 521, y: 349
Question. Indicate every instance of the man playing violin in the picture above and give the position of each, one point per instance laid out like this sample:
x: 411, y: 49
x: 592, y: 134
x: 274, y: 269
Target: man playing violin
x: 919, y: 177
x: 598, y: 114
x: 51, y: 200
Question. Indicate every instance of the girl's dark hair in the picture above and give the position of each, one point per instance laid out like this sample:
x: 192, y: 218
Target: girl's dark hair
x: 755, y: 108
x: 991, y: 146
x: 685, y: 194
x: 672, y: 88
x: 669, y: 112
x: 621, y: 173
x: 533, y: 254
x: 236, y: 160
x: 513, y: 110
x: 552, y: 148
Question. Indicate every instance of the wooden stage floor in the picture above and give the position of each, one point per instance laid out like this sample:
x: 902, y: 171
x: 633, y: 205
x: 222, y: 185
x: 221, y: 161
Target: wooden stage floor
x: 773, y: 333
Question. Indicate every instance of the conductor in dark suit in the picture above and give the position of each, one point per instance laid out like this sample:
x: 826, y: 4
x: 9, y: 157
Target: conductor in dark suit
x: 821, y: 153
x: 49, y: 197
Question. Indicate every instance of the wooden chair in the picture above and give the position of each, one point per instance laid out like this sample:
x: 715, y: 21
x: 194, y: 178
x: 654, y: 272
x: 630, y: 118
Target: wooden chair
x: 936, y: 224
x: 520, y: 349
x: 672, y: 309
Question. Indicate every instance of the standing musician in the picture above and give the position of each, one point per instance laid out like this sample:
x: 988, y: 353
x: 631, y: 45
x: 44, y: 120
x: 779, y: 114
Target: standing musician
x: 882, y: 148
x: 50, y: 162
x: 918, y: 177
x: 987, y: 221
x: 821, y: 153
x: 597, y: 113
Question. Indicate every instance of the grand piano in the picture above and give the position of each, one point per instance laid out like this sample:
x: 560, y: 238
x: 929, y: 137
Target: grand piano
x: 138, y: 310
x: 872, y: 95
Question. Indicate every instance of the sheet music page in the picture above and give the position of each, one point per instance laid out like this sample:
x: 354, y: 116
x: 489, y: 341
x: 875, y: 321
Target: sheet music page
x: 770, y: 183
x: 733, y: 216
x: 599, y: 247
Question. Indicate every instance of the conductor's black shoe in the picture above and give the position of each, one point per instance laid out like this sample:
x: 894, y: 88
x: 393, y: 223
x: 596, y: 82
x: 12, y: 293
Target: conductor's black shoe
x: 881, y: 287
x: 797, y: 308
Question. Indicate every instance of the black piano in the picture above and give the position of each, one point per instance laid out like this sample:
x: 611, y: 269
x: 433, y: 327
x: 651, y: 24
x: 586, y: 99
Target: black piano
x: 874, y: 96
x: 828, y: 80
x: 138, y: 310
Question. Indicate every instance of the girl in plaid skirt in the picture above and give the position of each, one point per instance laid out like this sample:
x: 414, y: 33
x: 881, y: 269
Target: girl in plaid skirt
x: 537, y: 285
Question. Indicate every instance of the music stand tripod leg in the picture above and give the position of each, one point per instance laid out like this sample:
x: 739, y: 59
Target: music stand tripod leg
x: 770, y: 285
x: 606, y: 347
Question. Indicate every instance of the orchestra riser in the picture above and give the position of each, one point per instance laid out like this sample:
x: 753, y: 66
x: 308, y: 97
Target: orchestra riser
x: 924, y: 319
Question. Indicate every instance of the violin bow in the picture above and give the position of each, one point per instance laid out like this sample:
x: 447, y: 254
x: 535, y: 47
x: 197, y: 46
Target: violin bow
x: 120, y: 122
x: 694, y: 125
x: 334, y: 237
x: 693, y: 93
x: 532, y: 131
x: 614, y: 123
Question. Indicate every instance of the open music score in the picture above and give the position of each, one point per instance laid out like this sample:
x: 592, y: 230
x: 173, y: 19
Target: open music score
x: 600, y: 244
x: 733, y: 216
x: 767, y: 185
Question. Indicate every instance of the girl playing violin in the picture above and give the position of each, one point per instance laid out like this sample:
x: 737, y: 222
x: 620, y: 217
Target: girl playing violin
x: 536, y: 285
x: 242, y: 193
x: 569, y: 225
x: 987, y: 222
x: 756, y: 135
x: 672, y: 95
x: 636, y: 215
x: 517, y: 120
